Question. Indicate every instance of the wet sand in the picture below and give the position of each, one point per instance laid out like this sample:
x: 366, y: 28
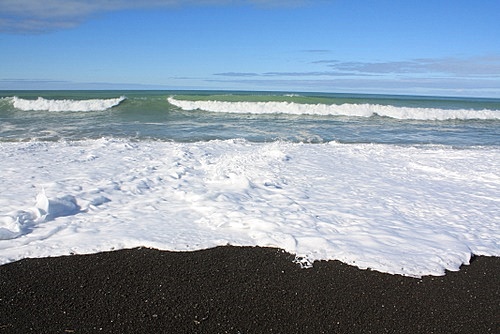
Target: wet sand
x: 239, y: 290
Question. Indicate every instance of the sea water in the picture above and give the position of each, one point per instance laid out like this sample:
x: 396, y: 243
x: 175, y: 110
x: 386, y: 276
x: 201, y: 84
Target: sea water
x: 400, y: 184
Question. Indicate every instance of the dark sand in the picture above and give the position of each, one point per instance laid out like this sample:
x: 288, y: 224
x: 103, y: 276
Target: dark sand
x: 239, y: 290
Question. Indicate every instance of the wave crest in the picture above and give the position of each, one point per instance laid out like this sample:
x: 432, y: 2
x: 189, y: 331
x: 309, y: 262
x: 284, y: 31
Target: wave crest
x: 42, y: 104
x: 354, y: 110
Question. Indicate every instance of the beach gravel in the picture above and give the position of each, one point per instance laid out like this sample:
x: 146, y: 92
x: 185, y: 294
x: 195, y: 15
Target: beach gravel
x: 239, y: 290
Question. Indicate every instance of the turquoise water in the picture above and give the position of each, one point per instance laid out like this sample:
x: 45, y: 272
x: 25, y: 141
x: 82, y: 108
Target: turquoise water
x: 149, y: 115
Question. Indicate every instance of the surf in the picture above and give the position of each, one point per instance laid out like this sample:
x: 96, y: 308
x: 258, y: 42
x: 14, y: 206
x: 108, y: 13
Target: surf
x: 346, y: 109
x: 42, y: 104
x: 395, y: 209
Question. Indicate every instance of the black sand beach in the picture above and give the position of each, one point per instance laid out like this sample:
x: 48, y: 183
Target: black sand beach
x: 239, y: 290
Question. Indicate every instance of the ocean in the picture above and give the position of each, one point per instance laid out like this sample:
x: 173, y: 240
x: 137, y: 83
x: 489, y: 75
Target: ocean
x: 406, y: 185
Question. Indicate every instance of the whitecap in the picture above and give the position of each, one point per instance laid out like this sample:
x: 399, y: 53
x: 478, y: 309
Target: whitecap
x: 42, y: 104
x: 347, y: 109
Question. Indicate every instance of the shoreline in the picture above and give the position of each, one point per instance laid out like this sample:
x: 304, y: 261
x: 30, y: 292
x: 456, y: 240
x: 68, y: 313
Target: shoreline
x: 231, y: 289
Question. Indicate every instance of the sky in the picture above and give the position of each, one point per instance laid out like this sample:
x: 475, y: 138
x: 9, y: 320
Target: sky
x: 438, y: 47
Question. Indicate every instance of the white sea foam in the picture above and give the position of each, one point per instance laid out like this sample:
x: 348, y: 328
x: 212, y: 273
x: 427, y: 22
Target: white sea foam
x: 357, y: 110
x: 406, y: 210
x: 41, y: 104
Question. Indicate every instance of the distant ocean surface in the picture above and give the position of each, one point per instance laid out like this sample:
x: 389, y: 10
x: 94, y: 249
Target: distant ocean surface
x: 400, y: 184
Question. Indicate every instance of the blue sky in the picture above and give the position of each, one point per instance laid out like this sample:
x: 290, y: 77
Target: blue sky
x: 401, y: 47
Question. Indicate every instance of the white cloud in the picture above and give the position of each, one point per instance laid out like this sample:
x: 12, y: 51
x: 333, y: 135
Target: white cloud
x: 36, y: 16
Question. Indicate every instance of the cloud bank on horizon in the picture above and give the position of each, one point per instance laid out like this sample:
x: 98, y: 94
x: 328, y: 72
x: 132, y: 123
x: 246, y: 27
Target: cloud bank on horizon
x: 480, y: 67
x: 470, y: 74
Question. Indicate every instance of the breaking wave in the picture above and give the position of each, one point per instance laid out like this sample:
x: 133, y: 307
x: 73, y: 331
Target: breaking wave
x: 347, y: 109
x: 42, y: 104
